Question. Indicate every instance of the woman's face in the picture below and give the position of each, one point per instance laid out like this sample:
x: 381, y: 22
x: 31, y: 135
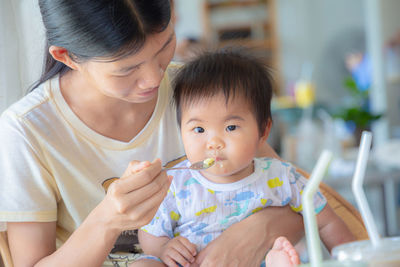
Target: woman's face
x: 135, y: 78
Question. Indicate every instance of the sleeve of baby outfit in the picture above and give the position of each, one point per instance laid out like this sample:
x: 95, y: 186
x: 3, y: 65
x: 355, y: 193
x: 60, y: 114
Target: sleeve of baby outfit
x: 297, y: 184
x: 165, y: 220
x: 27, y: 190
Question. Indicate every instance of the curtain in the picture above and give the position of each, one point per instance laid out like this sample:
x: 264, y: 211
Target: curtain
x: 22, y: 40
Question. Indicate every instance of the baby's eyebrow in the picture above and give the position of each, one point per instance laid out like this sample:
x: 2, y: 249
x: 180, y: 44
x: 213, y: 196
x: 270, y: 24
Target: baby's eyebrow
x: 193, y: 120
x: 234, y: 117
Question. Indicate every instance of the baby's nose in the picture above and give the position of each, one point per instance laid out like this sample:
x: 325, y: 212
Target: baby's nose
x: 215, y: 143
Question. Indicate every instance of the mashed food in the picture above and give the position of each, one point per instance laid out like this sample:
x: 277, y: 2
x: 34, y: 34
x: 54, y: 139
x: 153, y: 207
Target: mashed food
x: 208, y: 162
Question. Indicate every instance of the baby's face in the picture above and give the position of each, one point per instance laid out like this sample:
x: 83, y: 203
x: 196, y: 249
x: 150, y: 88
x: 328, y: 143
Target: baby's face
x: 228, y: 133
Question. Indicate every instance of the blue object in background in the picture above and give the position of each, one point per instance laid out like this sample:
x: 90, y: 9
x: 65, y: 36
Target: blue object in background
x: 362, y: 73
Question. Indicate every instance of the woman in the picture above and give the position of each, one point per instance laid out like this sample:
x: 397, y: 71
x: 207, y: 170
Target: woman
x: 103, y: 101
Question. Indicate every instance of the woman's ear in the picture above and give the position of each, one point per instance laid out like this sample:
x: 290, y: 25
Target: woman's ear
x: 61, y: 54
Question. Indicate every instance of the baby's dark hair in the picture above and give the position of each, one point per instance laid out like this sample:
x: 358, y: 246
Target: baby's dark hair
x: 231, y: 71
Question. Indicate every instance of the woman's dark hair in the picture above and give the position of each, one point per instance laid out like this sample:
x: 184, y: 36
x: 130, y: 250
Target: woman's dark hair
x: 90, y: 29
x: 235, y: 72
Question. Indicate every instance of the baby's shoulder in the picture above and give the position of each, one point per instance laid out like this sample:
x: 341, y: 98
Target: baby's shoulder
x: 272, y: 163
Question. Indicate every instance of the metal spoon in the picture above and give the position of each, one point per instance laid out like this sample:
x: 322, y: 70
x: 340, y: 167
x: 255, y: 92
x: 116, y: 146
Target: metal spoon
x: 198, y: 166
x: 201, y: 165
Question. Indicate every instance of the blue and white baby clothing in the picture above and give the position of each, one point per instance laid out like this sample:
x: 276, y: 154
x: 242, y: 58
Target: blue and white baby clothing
x: 201, y: 210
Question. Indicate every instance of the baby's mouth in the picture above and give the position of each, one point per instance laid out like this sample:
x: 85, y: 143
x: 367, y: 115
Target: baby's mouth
x: 218, y: 159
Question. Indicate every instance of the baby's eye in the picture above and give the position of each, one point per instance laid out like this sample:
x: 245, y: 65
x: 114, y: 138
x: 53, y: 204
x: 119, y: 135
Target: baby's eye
x: 199, y: 130
x: 230, y: 128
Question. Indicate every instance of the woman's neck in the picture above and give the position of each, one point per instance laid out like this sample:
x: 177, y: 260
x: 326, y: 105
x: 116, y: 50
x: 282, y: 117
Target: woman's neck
x: 110, y: 117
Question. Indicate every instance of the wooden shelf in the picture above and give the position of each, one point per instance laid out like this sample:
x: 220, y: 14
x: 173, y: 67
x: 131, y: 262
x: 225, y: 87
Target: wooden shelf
x: 255, y: 28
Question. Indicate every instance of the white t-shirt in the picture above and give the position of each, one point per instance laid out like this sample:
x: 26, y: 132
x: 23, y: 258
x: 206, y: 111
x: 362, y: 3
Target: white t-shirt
x: 52, y: 165
x: 201, y: 210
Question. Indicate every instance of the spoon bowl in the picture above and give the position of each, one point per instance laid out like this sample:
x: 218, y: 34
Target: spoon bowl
x: 197, y: 166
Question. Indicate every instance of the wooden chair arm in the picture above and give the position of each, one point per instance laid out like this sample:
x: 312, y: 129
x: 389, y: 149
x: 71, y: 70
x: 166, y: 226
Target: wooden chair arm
x: 5, y: 250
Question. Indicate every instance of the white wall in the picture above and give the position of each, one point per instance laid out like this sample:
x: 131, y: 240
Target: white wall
x: 189, y: 23
x: 21, y: 48
x: 321, y: 32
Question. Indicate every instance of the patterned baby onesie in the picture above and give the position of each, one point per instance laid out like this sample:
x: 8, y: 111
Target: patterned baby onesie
x: 201, y: 210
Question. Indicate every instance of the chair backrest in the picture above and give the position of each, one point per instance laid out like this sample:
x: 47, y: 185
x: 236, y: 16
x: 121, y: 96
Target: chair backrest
x: 343, y: 209
x: 5, y: 251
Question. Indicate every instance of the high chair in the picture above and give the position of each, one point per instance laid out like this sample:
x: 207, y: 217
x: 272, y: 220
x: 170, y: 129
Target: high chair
x: 342, y: 207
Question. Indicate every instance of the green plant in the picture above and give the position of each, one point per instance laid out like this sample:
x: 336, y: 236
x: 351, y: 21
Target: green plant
x: 359, y: 112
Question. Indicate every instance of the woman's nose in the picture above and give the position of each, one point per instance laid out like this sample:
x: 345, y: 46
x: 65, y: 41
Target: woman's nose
x: 215, y: 143
x: 151, y: 76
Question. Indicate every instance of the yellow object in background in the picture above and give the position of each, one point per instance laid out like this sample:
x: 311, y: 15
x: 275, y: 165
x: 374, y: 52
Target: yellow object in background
x: 304, y: 93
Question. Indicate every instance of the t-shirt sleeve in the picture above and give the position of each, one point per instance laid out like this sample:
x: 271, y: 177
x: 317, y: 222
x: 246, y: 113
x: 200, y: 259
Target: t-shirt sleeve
x: 27, y: 190
x: 297, y: 184
x: 166, y: 218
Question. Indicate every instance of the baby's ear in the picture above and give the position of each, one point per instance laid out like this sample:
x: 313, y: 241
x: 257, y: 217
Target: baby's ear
x: 267, y: 130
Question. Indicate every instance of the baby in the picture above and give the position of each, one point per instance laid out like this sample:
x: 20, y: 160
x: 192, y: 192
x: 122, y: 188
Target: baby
x: 223, y: 107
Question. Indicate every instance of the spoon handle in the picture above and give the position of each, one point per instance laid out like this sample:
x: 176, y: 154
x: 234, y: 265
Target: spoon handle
x: 178, y: 168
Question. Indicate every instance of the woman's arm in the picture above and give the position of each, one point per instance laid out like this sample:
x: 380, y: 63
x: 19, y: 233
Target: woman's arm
x: 246, y: 243
x: 23, y: 238
x: 34, y: 244
x: 130, y: 203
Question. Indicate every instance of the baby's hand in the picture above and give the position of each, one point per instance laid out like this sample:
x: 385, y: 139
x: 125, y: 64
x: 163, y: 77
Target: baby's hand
x: 178, y: 250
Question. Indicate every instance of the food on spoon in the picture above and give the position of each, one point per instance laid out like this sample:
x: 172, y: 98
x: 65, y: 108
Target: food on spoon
x: 208, y: 162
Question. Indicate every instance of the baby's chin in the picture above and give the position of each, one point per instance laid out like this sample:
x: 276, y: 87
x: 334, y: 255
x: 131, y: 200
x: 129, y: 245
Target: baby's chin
x: 224, y: 174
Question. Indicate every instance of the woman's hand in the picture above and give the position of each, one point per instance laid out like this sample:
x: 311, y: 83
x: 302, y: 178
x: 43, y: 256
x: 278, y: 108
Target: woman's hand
x: 247, y: 242
x: 133, y: 200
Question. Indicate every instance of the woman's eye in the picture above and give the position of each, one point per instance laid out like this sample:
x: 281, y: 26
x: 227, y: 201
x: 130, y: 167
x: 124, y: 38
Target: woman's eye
x: 127, y: 73
x: 122, y: 75
x: 231, y: 128
x: 199, y: 130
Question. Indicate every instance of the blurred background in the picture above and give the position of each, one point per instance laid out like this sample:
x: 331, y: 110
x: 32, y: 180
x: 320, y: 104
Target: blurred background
x: 336, y: 65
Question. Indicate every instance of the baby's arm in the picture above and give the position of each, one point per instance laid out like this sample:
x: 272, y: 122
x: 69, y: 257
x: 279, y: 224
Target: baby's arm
x: 333, y: 231
x: 170, y: 251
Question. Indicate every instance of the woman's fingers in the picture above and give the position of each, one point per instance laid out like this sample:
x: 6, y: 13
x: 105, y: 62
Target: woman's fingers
x: 136, y: 176
x: 133, y: 198
x: 137, y: 195
x: 135, y: 166
x: 143, y: 212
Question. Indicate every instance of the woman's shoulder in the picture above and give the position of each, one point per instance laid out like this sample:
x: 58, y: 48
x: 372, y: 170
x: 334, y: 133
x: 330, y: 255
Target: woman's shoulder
x: 27, y: 103
x: 34, y: 110
x: 175, y: 65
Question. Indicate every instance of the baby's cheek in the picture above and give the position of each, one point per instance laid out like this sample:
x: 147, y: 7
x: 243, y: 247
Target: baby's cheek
x: 246, y: 153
